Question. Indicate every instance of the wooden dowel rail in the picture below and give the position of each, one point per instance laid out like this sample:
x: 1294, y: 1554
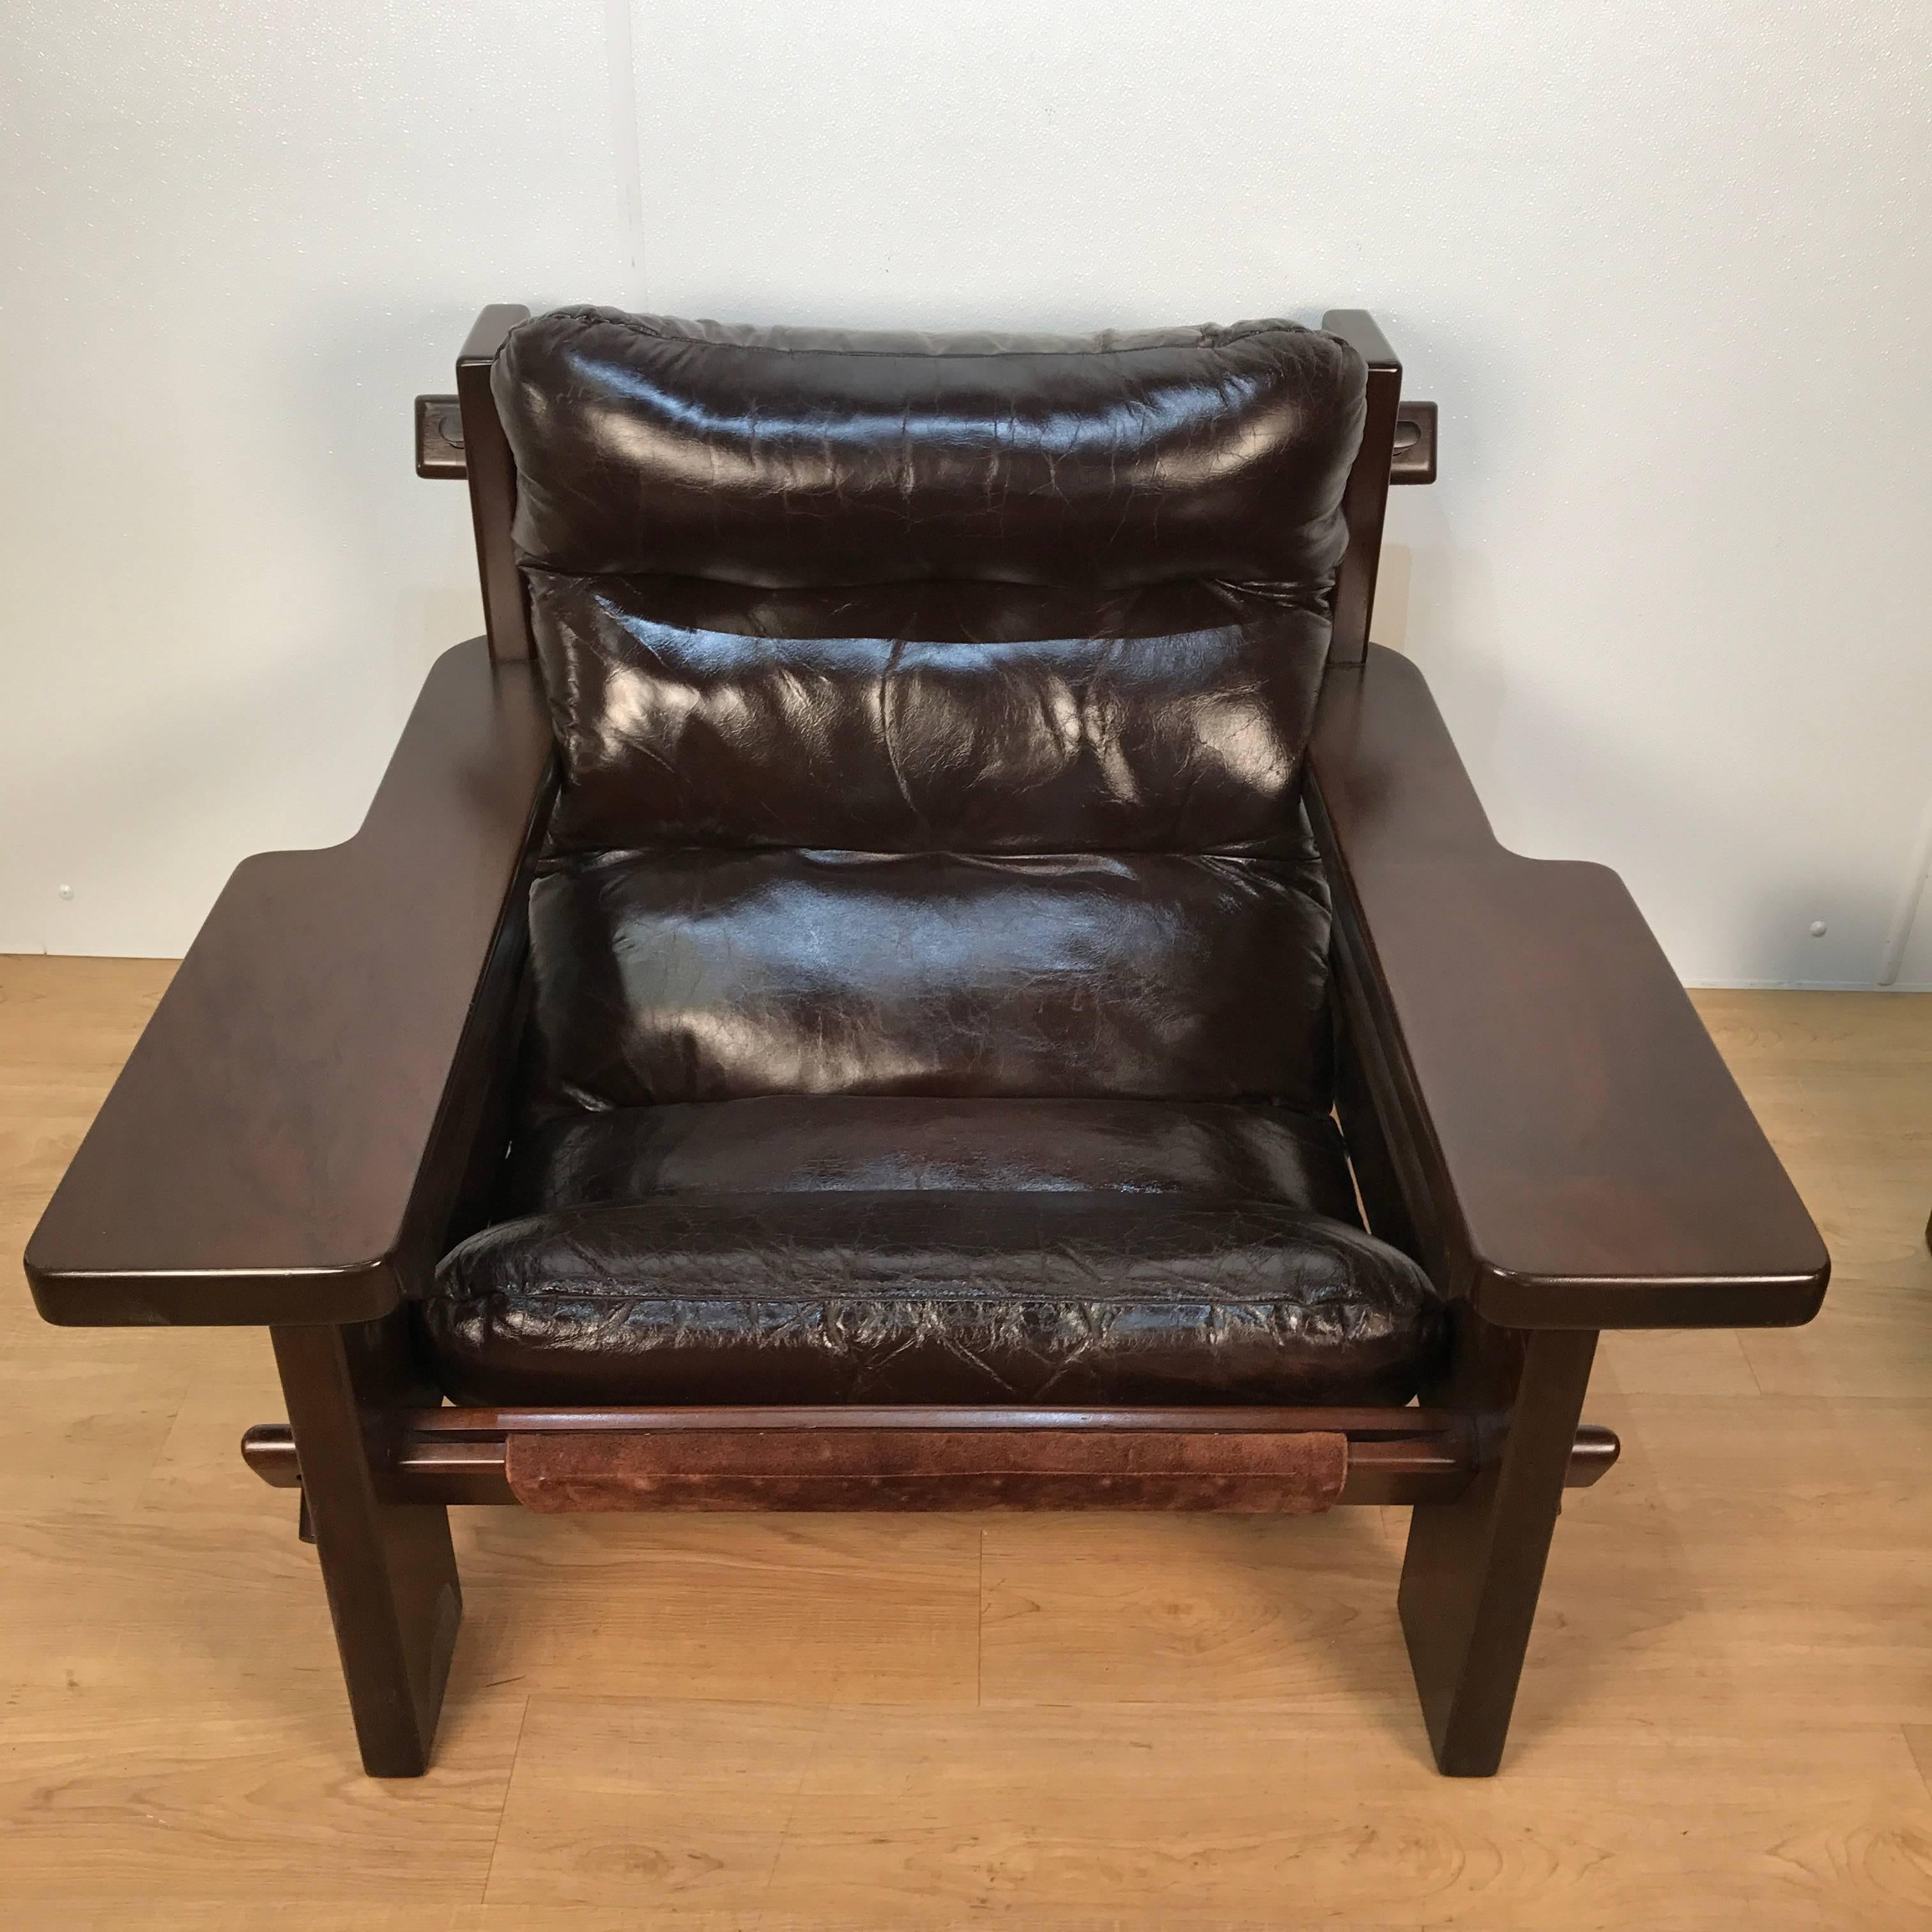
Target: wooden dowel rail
x: 461, y: 1455
x: 478, y: 1423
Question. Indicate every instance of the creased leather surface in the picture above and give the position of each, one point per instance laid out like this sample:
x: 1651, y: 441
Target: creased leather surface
x: 645, y: 445
x: 1101, y: 736
x: 929, y: 894
x: 788, y: 1143
x: 905, y: 1297
x: 692, y: 975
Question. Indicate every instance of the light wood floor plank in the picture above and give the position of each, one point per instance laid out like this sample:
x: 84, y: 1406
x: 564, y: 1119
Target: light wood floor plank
x: 792, y: 1609
x: 1178, y: 1813
x: 106, y: 1797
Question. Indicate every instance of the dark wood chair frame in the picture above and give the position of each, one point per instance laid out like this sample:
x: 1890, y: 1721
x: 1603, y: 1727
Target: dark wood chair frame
x: 317, y: 1109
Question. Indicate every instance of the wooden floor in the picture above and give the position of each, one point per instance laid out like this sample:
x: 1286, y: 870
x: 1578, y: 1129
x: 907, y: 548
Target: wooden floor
x: 1075, y: 1722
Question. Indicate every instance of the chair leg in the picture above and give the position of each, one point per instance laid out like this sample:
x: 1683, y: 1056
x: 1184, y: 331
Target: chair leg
x: 1474, y: 1567
x: 389, y: 1568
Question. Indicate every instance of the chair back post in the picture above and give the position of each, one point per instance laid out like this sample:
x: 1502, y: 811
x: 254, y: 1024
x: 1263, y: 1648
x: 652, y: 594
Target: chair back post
x: 492, y: 473
x: 1366, y: 500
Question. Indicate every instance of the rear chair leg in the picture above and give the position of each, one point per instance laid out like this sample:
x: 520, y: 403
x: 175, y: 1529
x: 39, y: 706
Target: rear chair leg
x: 389, y: 1568
x: 1474, y: 1567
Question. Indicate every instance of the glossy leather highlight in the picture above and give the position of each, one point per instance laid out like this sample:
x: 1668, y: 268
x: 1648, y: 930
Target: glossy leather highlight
x: 1165, y: 720
x: 929, y: 959
x: 777, y: 456
x: 901, y: 1297
x: 692, y: 975
x: 790, y: 1143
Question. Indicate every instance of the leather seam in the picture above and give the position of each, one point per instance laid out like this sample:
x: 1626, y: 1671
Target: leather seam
x: 635, y: 326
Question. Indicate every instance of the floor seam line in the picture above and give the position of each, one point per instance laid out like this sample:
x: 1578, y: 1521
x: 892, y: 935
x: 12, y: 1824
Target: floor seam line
x: 791, y: 1812
x: 503, y: 1809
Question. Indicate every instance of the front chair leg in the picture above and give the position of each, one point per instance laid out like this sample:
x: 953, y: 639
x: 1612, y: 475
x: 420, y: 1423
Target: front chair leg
x: 388, y: 1567
x: 1474, y: 1567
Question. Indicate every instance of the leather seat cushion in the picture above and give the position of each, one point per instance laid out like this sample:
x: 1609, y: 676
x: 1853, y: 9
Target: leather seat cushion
x: 909, y: 1297
x: 1077, y: 1251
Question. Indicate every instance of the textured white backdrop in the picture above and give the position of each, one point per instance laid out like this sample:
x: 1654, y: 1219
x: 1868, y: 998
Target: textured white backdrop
x: 1663, y: 267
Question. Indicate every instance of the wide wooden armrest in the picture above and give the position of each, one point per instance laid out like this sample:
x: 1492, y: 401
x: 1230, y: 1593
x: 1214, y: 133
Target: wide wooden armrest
x: 294, y: 1122
x: 1566, y: 1146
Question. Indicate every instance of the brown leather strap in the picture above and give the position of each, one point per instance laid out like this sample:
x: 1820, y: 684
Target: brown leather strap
x: 915, y: 1469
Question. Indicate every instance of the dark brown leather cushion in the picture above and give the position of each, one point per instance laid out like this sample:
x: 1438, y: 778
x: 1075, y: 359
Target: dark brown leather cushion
x: 786, y: 1143
x: 696, y: 975
x: 929, y: 881
x: 785, y: 456
x: 932, y: 708
x: 909, y: 1297
x: 927, y: 717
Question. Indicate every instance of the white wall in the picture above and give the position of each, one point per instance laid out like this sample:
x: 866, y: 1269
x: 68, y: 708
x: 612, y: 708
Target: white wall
x: 1663, y: 266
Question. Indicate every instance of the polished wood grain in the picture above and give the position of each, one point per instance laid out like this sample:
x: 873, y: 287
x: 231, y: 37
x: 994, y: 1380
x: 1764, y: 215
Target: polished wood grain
x: 941, y: 1419
x: 1080, y: 1722
x: 388, y: 1565
x: 1537, y: 1114
x: 463, y: 1455
x: 1474, y: 1569
x: 491, y: 470
x: 291, y: 1135
x: 1541, y: 1109
x: 1365, y: 502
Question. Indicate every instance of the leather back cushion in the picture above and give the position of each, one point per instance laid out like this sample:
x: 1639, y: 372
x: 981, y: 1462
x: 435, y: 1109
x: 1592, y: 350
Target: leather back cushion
x: 892, y: 719
x: 695, y: 975
x: 932, y: 708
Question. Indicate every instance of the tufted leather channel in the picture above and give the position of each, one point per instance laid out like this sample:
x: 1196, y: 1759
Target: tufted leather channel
x: 1168, y: 719
x: 783, y: 1144
x: 698, y: 975
x: 928, y: 956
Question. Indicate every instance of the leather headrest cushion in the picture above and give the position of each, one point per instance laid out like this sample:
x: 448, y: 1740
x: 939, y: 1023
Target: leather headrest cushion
x: 800, y: 457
